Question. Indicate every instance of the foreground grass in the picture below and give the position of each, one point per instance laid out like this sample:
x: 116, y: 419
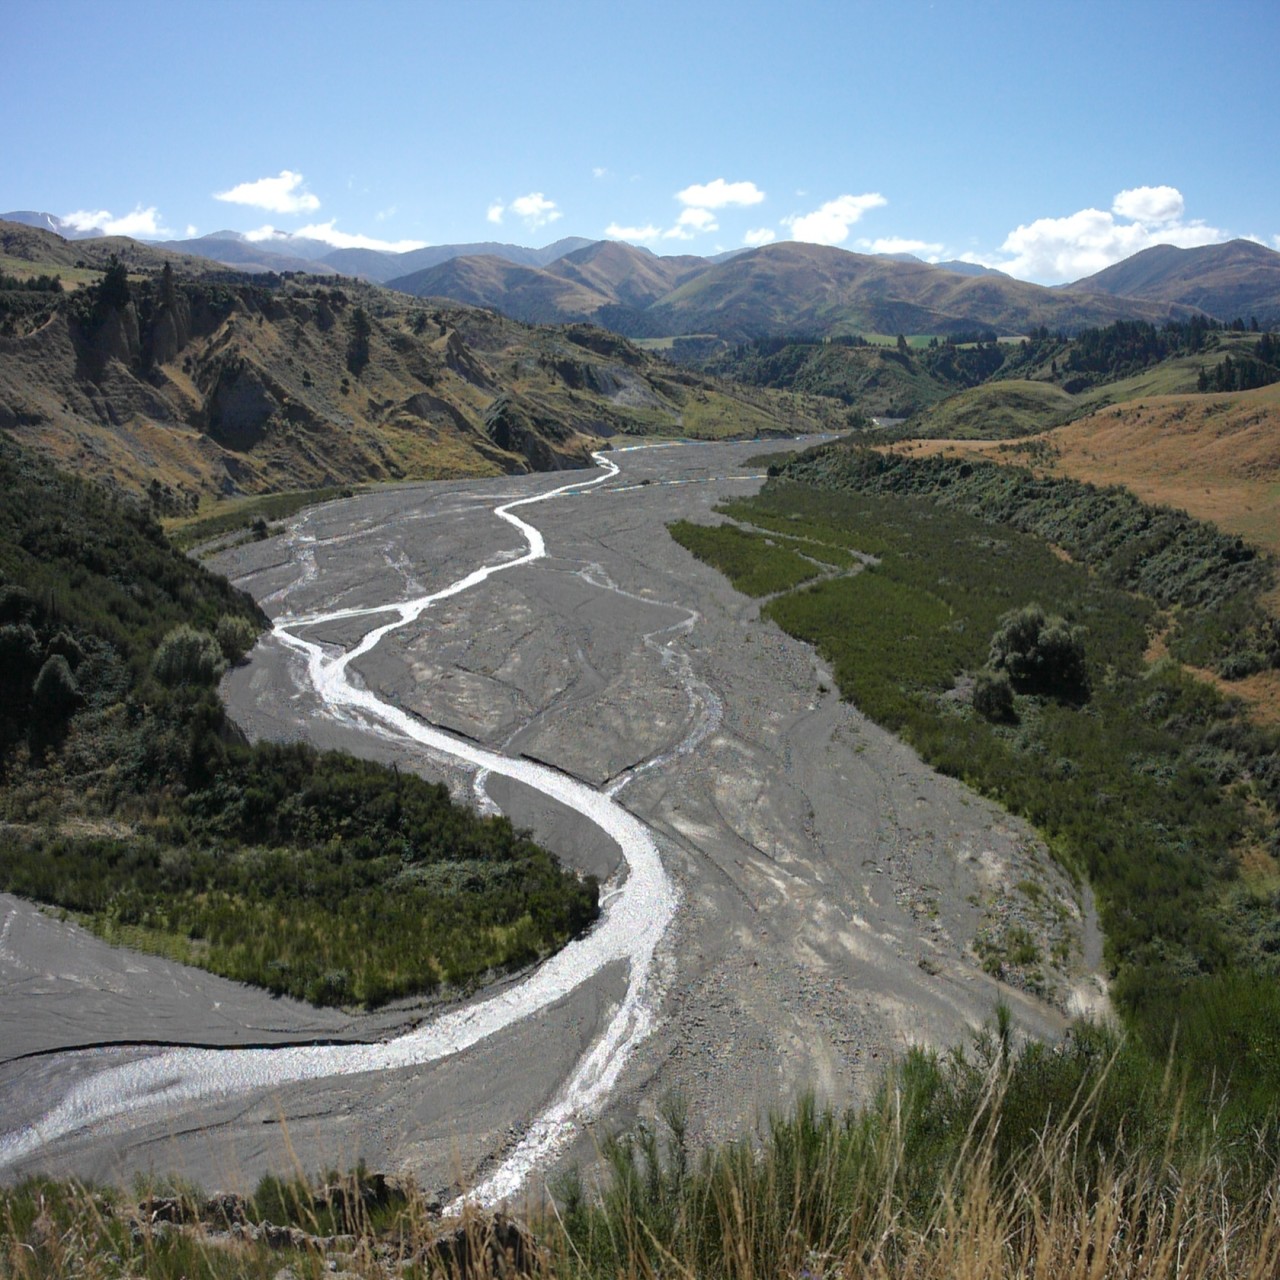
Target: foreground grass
x: 1088, y: 1160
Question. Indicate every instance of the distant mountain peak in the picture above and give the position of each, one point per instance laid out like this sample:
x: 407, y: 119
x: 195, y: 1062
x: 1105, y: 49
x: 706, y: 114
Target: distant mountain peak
x: 51, y: 222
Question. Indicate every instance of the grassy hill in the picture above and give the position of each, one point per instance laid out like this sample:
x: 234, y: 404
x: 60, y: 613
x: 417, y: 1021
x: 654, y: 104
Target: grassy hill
x: 781, y: 288
x: 1216, y: 456
x: 993, y: 411
x: 1052, y: 379
x: 803, y: 288
x: 599, y: 277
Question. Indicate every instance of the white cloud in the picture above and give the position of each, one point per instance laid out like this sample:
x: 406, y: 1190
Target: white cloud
x: 327, y: 232
x: 282, y: 194
x: 830, y: 222
x: 698, y: 216
x: 1149, y: 204
x: 192, y: 231
x: 265, y: 233
x: 600, y: 172
x: 495, y: 212
x: 1276, y: 241
x: 761, y: 235
x: 641, y: 234
x: 1054, y: 250
x: 141, y: 222
x: 535, y: 209
x: 690, y: 223
x: 720, y: 194
x: 897, y: 244
x: 389, y: 212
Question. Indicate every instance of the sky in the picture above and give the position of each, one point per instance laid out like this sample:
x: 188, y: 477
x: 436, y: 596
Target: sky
x: 1047, y: 140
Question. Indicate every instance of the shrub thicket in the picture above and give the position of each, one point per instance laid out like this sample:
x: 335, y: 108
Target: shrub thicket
x: 1212, y: 579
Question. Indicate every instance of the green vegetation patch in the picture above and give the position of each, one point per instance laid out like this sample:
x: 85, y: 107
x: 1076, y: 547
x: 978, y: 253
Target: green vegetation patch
x: 250, y: 516
x: 320, y: 876
x: 1140, y: 778
x: 756, y: 566
x: 1211, y: 579
x: 993, y: 411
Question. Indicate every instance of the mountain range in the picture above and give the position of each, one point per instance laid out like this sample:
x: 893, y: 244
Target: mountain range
x: 786, y: 287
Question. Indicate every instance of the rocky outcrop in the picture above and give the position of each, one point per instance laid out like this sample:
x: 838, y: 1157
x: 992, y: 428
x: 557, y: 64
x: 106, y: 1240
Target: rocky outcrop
x: 517, y: 430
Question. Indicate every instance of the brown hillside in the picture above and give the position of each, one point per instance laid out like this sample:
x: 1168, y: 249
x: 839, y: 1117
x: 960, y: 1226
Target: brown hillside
x: 621, y: 273
x: 1216, y: 456
x: 531, y: 294
x: 1236, y: 279
x: 21, y: 243
x: 247, y: 388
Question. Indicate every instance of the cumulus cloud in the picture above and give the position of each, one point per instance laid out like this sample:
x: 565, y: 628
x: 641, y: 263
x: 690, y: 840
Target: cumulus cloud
x: 327, y: 232
x: 897, y: 244
x: 690, y: 223
x: 600, y: 172
x: 144, y: 223
x: 830, y: 222
x: 1149, y: 204
x: 641, y: 235
x: 761, y: 235
x: 268, y: 232
x: 720, y: 194
x: 284, y: 193
x: 535, y: 209
x: 495, y: 212
x: 1054, y: 250
x: 698, y: 217
x: 192, y: 231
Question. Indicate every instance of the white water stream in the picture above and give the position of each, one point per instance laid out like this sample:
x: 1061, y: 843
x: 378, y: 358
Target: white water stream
x: 633, y: 921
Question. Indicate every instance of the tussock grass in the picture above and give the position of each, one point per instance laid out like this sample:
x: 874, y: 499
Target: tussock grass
x: 1088, y: 1160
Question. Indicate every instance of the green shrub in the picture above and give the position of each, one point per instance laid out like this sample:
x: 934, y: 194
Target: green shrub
x: 236, y: 635
x: 188, y: 657
x: 1040, y: 653
x: 993, y: 695
x: 55, y: 694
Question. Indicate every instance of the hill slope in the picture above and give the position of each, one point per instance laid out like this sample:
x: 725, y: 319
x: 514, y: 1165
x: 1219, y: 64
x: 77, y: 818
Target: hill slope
x: 1238, y: 279
x: 577, y: 286
x: 792, y: 287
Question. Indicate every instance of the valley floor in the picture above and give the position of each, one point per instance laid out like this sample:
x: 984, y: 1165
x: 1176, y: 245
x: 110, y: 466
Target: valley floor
x: 831, y: 886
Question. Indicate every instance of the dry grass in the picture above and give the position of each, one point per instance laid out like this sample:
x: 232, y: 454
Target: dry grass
x: 1215, y: 456
x: 1058, y: 1214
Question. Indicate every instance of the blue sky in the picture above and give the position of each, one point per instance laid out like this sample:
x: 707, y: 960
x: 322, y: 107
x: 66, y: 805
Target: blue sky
x: 1047, y: 139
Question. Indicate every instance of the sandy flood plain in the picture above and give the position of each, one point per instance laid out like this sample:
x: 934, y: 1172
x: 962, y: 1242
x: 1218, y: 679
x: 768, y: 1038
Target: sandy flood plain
x: 831, y: 887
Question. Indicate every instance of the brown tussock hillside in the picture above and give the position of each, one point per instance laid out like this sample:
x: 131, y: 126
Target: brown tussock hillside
x: 1215, y: 456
